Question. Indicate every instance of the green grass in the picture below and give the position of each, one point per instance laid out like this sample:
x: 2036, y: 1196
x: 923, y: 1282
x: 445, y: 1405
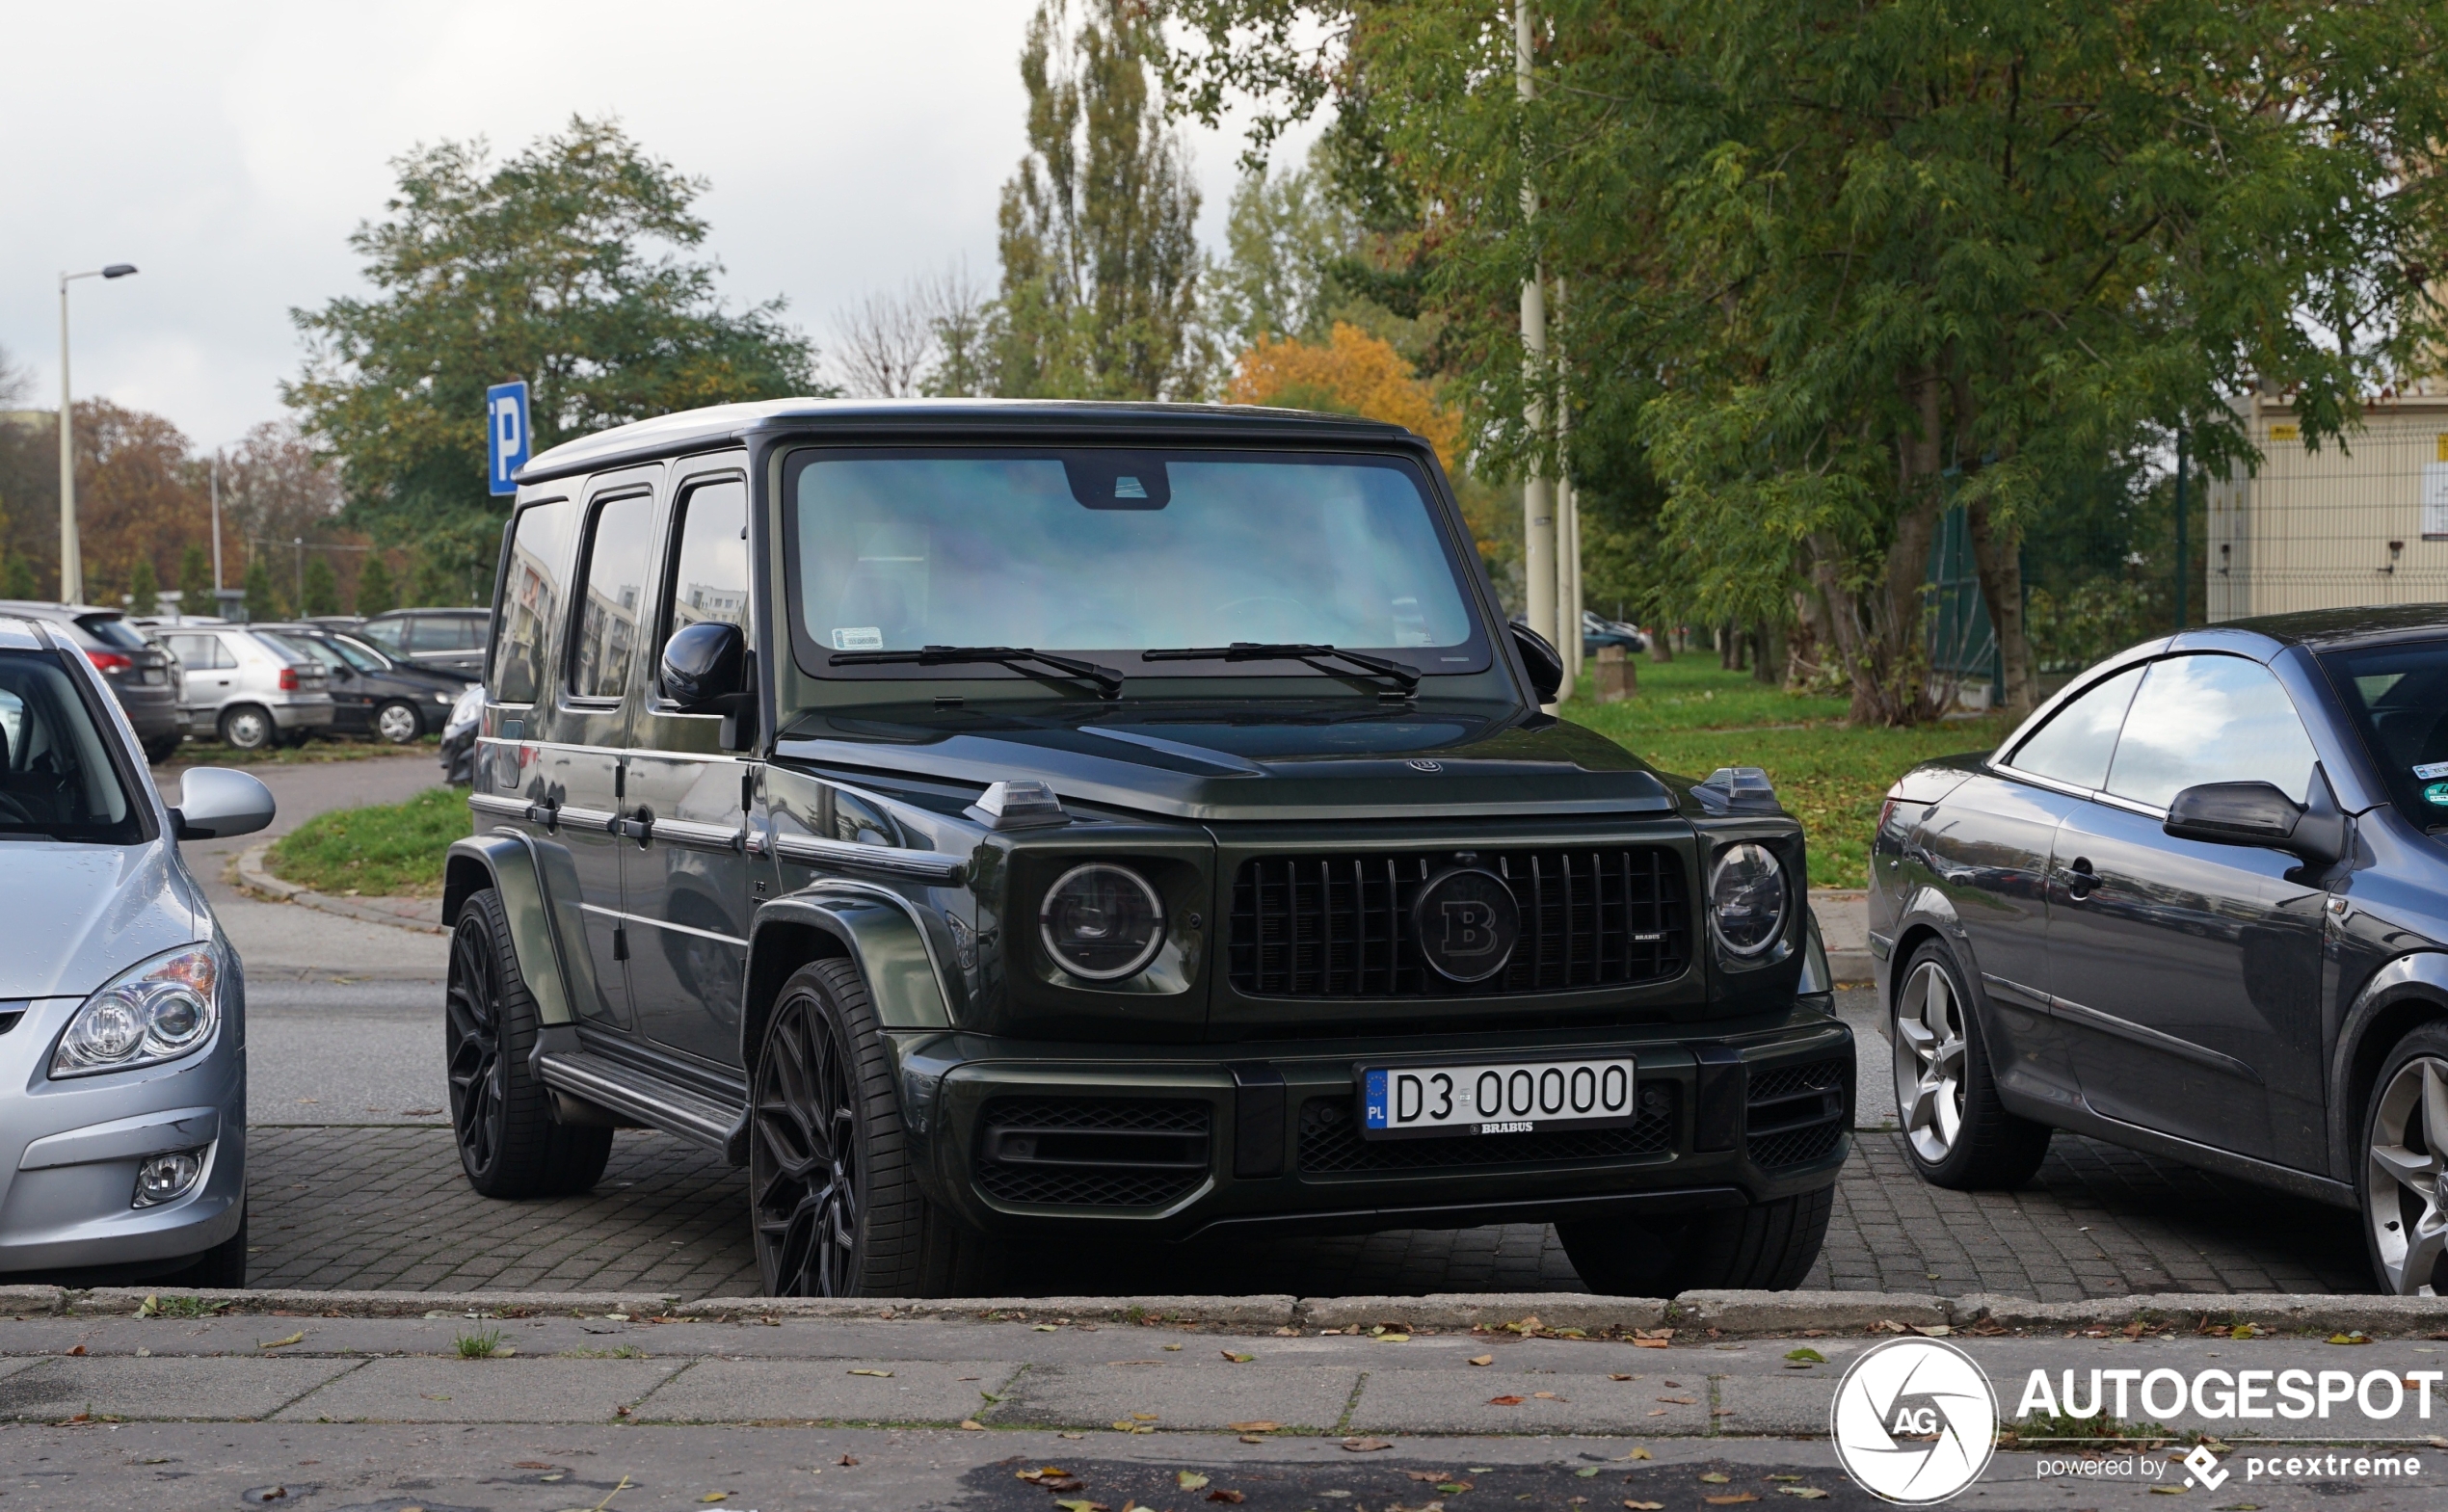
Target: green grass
x: 1690, y: 718
x: 212, y: 752
x: 388, y: 848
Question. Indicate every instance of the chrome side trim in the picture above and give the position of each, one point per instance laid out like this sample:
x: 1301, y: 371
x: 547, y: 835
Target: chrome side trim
x: 701, y: 1120
x: 918, y: 865
x: 507, y: 808
x: 699, y: 837
x: 2017, y: 992
x: 586, y: 818
x: 661, y: 923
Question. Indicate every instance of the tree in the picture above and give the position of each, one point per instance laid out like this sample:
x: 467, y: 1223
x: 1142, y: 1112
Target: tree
x: 432, y: 585
x: 1833, y: 269
x: 264, y: 598
x: 195, y: 582
x: 1285, y: 236
x: 322, y: 591
x: 144, y: 588
x: 375, y: 594
x: 568, y: 265
x: 1350, y: 373
x: 16, y: 579
x: 1100, y: 254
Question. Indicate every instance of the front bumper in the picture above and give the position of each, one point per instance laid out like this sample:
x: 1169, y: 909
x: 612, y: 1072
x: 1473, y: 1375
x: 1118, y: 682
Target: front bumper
x: 69, y: 1150
x: 1262, y: 1138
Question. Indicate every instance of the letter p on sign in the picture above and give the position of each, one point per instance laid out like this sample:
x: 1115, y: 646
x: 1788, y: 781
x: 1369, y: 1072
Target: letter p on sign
x: 506, y: 434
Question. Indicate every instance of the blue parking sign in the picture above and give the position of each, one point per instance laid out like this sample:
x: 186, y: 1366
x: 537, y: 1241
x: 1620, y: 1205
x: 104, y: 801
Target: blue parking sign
x: 506, y: 433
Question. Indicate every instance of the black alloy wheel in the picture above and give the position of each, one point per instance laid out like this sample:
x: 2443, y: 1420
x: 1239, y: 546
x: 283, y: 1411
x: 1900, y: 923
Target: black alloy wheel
x: 472, y: 1005
x: 804, y: 1157
x: 500, y: 1115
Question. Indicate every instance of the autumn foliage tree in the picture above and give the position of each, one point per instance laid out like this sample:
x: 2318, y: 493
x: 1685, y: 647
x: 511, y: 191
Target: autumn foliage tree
x: 1350, y: 373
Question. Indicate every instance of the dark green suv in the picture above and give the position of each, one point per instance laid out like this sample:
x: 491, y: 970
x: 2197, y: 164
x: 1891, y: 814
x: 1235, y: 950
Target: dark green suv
x: 1119, y: 822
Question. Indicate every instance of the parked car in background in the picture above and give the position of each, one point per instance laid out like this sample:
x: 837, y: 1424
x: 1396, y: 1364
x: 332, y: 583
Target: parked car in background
x: 371, y: 693
x: 445, y: 640
x: 344, y: 623
x: 1596, y: 632
x: 2197, y: 905
x: 122, y: 1056
x: 140, y: 674
x: 249, y: 688
x: 459, y: 737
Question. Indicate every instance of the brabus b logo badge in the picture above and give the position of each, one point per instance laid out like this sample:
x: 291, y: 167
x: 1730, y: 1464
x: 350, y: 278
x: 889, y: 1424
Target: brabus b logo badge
x: 1423, y: 764
x: 1466, y: 923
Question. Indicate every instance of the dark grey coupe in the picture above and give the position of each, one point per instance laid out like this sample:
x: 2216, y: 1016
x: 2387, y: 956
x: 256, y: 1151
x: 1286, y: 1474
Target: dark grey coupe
x: 2197, y: 905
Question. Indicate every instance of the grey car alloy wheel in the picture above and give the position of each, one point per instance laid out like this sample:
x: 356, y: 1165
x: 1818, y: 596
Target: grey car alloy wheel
x: 1930, y: 1062
x: 2403, y: 1191
x: 397, y: 722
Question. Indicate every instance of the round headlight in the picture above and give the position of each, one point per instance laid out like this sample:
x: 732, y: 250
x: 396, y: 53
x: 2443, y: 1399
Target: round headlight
x: 1101, y: 922
x: 1746, y: 900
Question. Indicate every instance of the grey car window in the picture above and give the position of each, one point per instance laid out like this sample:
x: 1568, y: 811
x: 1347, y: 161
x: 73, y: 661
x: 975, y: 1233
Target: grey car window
x: 200, y: 653
x: 57, y: 780
x: 2210, y: 719
x: 710, y: 572
x: 532, y: 598
x: 356, y: 656
x: 2075, y: 745
x: 385, y: 633
x: 446, y: 633
x: 611, y: 597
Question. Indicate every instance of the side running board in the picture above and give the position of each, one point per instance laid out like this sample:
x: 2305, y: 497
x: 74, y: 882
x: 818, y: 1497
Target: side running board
x: 686, y: 1115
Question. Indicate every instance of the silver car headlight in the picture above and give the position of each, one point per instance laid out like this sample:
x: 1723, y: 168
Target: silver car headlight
x: 154, y: 1011
x: 1746, y: 900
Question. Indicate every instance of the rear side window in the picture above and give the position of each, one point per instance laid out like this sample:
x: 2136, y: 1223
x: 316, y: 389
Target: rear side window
x: 2210, y: 719
x: 111, y: 631
x: 57, y: 779
x: 611, y: 597
x: 709, y: 564
x: 532, y: 598
x: 385, y: 633
x: 200, y: 653
x: 446, y: 633
x: 2075, y: 745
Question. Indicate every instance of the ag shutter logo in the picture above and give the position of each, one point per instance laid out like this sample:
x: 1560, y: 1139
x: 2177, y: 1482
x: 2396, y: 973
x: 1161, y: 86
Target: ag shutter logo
x: 1914, y: 1421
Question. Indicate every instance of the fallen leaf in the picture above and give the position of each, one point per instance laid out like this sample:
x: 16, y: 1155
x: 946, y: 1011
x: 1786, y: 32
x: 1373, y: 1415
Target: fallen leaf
x: 1645, y: 1506
x: 1424, y: 1474
x: 865, y: 1371
x: 1727, y: 1502
x: 1236, y: 1359
x: 1649, y: 1344
x: 1806, y: 1493
x: 1262, y: 1425
x: 1550, y: 1396
x: 1586, y: 1471
x: 1082, y: 1506
x: 2166, y: 1490
x: 972, y: 1424
x: 1504, y: 1402
x: 1232, y: 1496
x: 847, y: 1459
x: 1681, y: 1401
x: 715, y: 1496
x: 1637, y: 1454
x: 2354, y: 1338
x: 1716, y: 1477
x: 1483, y: 1360
x: 1173, y: 1348
x: 263, y: 1343
x: 1191, y: 1479
x: 1144, y: 1416
x: 1452, y: 1488
x: 1366, y: 1446
x: 533, y: 1464
x: 1931, y: 1330
x: 80, y: 1349
x: 1394, y: 1339
x: 1623, y: 1378
x: 1806, y: 1356
x: 1252, y: 1438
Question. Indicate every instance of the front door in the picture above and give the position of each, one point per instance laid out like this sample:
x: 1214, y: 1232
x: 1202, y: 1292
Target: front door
x: 688, y: 884
x: 2189, y: 975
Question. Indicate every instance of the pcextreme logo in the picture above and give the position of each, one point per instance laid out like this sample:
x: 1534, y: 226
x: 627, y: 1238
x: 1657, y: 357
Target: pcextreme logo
x: 1914, y: 1421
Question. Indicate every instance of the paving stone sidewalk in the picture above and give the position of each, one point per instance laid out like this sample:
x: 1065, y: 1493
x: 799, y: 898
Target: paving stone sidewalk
x: 385, y: 1208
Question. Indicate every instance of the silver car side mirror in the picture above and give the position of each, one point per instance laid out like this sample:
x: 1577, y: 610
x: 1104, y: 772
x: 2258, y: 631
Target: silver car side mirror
x: 216, y: 803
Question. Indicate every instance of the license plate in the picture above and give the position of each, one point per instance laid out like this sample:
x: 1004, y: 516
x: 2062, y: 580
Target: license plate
x: 1502, y: 1098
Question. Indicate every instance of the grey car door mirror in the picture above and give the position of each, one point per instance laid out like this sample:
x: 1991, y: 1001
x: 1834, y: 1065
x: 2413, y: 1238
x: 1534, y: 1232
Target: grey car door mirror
x: 215, y: 802
x: 2259, y: 814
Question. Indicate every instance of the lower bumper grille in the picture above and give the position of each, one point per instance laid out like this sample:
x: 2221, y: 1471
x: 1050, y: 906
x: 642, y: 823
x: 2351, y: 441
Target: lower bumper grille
x: 1797, y: 1114
x: 1092, y: 1152
x: 1330, y: 1143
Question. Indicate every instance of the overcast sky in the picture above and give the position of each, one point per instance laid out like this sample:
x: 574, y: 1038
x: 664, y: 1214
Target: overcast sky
x: 228, y: 149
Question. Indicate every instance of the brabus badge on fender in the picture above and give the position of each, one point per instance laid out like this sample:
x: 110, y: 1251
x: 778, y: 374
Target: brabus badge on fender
x: 1466, y: 923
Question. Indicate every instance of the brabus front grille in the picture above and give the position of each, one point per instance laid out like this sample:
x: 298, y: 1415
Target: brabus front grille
x: 1339, y: 926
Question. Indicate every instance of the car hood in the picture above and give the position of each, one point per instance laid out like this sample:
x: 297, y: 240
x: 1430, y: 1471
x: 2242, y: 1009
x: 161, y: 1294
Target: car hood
x: 1256, y: 763
x: 73, y: 917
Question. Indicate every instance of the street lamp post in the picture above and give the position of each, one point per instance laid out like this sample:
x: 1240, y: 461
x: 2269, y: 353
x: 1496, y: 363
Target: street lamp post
x: 71, y: 565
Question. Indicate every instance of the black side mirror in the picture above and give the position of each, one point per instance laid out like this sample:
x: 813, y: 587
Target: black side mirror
x: 703, y: 664
x: 2258, y: 813
x: 1545, y: 663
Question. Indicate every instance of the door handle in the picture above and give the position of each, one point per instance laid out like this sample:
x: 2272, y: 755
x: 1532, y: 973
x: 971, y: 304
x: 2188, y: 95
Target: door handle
x: 2080, y: 879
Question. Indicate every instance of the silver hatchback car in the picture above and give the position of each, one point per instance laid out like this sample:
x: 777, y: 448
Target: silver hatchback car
x: 122, y: 1008
x: 247, y: 688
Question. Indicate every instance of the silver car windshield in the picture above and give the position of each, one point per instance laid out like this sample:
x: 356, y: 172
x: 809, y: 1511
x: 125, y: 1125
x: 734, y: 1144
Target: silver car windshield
x: 56, y: 778
x: 1119, y: 551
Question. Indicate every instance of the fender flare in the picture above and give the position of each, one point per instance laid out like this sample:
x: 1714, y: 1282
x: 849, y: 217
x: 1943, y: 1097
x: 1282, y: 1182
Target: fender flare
x: 876, y: 929
x: 2418, y: 978
x: 506, y: 861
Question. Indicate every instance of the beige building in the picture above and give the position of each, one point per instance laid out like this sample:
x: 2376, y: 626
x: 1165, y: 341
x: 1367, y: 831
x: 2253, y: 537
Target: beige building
x: 2362, y: 523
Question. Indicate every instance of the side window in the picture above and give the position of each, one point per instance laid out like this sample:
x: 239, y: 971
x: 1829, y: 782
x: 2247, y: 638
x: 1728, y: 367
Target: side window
x: 710, y: 561
x: 385, y: 633
x: 200, y: 653
x: 2210, y: 719
x: 611, y: 597
x: 2076, y: 742
x: 531, y: 599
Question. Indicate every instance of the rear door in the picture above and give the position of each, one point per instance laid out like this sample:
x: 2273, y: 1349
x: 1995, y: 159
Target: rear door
x: 688, y: 883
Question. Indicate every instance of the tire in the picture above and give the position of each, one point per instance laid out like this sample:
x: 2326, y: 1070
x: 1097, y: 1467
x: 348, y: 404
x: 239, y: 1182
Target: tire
x: 833, y: 1199
x: 247, y: 728
x: 1764, y: 1246
x: 2400, y: 1176
x: 398, y: 722
x: 224, y: 1266
x: 161, y: 748
x: 499, y: 1113
x: 1956, y: 1133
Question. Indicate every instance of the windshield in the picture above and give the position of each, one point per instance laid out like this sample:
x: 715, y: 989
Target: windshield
x: 111, y: 631
x: 303, y: 648
x: 355, y: 654
x: 2399, y: 697
x: 1120, y: 552
x: 57, y: 779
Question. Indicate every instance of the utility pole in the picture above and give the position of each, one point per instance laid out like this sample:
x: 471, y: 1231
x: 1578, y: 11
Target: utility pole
x: 1538, y: 508
x: 299, y: 602
x: 2182, y: 576
x: 1567, y: 514
x: 71, y: 563
x: 216, y: 532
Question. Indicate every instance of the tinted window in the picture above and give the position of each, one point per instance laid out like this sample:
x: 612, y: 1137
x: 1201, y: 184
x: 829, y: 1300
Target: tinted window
x: 358, y: 656
x: 710, y: 567
x: 2210, y: 719
x: 531, y: 599
x: 111, y: 631
x: 57, y: 780
x: 385, y: 633
x: 304, y: 648
x: 447, y: 632
x: 612, y: 597
x: 2075, y: 745
x: 2399, y: 698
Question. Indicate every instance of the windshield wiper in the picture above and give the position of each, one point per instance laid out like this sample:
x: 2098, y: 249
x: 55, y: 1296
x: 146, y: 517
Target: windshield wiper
x: 1403, y: 674
x: 1108, y: 681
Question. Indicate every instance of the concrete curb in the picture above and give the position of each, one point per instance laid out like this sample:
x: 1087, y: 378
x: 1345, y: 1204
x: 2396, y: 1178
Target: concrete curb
x: 252, y: 877
x: 1714, y: 1313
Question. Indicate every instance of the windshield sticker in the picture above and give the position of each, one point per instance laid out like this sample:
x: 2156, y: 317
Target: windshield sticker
x: 2436, y: 795
x: 2431, y: 769
x: 857, y: 638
